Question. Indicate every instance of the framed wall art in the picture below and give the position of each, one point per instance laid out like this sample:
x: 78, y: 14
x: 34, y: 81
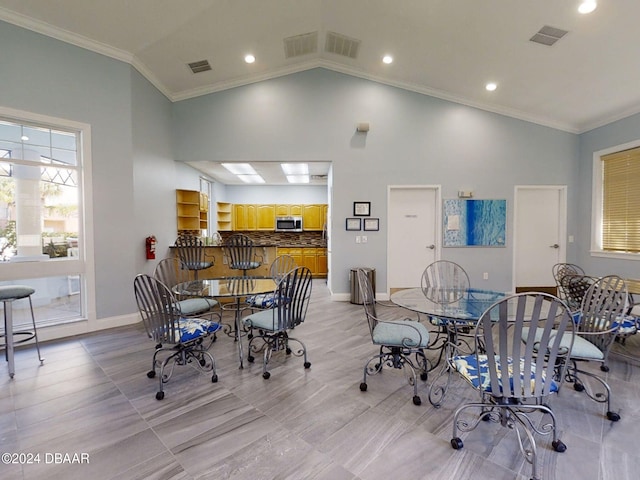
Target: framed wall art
x: 371, y: 224
x: 474, y: 223
x: 361, y: 209
x: 354, y: 224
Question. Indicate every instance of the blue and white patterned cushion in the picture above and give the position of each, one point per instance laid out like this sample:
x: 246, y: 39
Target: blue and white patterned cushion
x: 264, y: 300
x: 628, y: 325
x: 401, y: 333
x: 478, y: 375
x: 192, y: 328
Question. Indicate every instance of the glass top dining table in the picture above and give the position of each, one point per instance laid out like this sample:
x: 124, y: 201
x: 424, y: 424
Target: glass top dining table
x: 455, y: 311
x: 467, y: 304
x: 230, y: 287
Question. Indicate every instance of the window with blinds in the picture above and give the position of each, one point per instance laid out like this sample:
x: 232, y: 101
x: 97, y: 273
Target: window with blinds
x: 621, y: 201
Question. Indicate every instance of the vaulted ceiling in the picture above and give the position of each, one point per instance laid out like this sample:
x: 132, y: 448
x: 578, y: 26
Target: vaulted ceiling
x: 444, y: 48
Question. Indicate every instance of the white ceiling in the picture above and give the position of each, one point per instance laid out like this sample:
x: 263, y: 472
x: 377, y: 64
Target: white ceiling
x: 445, y: 48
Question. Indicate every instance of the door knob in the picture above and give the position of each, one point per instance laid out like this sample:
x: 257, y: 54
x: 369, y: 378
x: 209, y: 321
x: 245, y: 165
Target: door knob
x: 555, y: 245
x: 431, y: 247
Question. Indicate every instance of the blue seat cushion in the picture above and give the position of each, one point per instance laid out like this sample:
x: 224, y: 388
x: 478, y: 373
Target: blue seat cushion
x: 195, y: 306
x: 193, y: 328
x: 476, y: 371
x: 263, y: 320
x: 401, y: 333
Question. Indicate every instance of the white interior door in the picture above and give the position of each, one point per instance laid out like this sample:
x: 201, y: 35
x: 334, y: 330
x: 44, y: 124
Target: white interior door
x: 539, y: 233
x: 413, y: 217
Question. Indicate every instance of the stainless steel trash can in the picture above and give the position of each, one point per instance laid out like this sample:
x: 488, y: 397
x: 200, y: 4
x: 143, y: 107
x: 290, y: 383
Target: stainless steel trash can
x: 355, y: 288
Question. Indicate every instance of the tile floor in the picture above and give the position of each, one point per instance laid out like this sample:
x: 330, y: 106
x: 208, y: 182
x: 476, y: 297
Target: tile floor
x: 92, y: 397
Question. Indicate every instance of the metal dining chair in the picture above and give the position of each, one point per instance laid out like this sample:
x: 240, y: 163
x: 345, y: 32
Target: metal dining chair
x: 192, y: 254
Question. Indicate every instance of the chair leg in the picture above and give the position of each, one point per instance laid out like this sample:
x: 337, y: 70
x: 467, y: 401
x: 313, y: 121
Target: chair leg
x: 600, y: 397
x: 35, y: 331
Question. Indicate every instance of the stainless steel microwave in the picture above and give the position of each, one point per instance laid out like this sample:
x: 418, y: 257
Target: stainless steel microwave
x: 288, y: 224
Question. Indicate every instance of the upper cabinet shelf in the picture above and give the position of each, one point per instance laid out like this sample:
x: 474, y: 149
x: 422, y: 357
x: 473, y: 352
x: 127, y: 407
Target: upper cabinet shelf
x: 262, y: 217
x: 192, y: 210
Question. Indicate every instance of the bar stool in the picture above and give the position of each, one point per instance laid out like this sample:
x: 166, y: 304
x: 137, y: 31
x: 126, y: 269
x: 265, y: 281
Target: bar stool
x: 8, y: 294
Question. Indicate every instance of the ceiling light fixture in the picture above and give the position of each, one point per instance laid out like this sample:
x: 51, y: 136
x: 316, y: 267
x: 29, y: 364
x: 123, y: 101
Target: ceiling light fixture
x: 491, y: 86
x: 249, y: 58
x: 298, y: 178
x: 239, y: 168
x: 254, y: 178
x: 387, y: 59
x: 295, y: 168
x: 24, y: 138
x: 587, y: 6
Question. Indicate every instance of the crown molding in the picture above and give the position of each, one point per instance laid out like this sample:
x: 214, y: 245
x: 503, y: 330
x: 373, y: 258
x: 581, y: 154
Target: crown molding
x: 43, y: 28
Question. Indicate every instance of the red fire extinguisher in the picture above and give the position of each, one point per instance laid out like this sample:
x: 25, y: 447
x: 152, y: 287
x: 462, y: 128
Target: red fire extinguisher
x: 151, y: 247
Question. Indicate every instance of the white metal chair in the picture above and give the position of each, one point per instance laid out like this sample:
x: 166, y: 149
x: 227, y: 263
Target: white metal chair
x: 192, y: 254
x: 240, y: 252
x: 280, y: 267
x: 601, y: 318
x: 272, y: 326
x: 515, y: 378
x: 184, y: 340
x: 170, y: 272
x: 398, y: 341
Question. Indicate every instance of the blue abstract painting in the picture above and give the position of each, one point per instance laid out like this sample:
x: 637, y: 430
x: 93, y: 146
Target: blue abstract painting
x: 475, y: 223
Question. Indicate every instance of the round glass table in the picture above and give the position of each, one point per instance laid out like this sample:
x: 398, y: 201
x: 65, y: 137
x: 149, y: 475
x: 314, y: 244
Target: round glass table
x: 231, y: 287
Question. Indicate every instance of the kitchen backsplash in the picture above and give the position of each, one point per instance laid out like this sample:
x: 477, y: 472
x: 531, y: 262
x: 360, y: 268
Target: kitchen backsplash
x: 283, y: 239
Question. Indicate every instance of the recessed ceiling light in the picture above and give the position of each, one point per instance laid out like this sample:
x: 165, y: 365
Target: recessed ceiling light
x: 24, y: 138
x: 387, y: 59
x: 239, y: 168
x: 491, y: 86
x: 249, y: 58
x: 298, y: 178
x: 295, y: 168
x: 255, y: 178
x: 587, y: 6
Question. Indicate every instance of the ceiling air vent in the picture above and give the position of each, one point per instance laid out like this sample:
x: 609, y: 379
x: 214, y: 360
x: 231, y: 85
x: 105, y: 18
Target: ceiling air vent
x: 201, y: 66
x: 341, y: 45
x: 299, y: 45
x: 548, y: 35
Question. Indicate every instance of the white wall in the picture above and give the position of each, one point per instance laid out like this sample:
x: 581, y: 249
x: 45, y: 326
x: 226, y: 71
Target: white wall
x: 276, y: 194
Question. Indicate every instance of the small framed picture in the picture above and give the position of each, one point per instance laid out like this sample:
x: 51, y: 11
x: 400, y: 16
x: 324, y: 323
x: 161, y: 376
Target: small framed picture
x: 353, y: 224
x: 361, y: 209
x: 372, y: 224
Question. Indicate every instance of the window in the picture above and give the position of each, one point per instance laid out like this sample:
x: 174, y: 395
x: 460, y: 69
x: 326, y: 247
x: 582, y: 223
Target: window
x: 617, y: 201
x: 42, y: 240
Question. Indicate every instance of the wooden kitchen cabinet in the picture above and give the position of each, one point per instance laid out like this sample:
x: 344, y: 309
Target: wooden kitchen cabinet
x: 313, y: 217
x: 322, y: 265
x: 309, y: 260
x: 224, y: 216
x: 188, y: 211
x: 266, y: 217
x: 245, y: 216
x: 314, y: 258
x: 288, y: 210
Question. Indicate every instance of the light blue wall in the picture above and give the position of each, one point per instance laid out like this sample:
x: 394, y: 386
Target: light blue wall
x: 48, y: 77
x: 414, y: 139
x: 134, y: 175
x: 612, y: 135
